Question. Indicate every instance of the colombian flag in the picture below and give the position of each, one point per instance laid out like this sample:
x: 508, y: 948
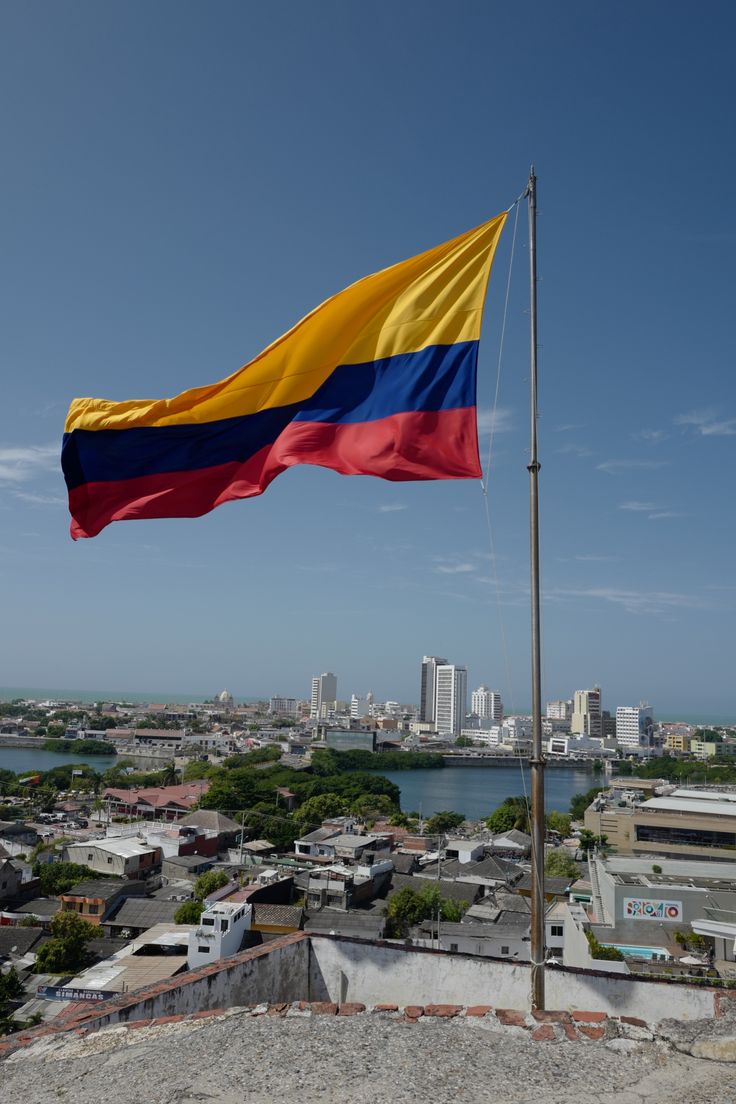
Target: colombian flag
x: 378, y: 380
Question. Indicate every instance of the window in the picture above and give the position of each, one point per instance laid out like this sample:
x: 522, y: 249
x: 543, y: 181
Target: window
x: 94, y: 909
x: 224, y: 925
x: 453, y: 946
x: 203, y: 950
x: 89, y: 856
x: 109, y: 859
x: 208, y: 922
x: 504, y: 950
x: 557, y: 930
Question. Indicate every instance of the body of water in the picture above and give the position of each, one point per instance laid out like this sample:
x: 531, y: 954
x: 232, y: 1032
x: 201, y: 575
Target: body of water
x: 20, y: 759
x: 477, y: 791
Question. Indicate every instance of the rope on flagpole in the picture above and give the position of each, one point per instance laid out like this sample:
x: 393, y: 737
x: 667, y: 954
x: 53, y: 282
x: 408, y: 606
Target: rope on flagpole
x: 484, y: 481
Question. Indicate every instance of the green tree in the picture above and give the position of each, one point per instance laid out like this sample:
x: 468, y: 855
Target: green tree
x: 580, y: 802
x: 559, y: 864
x: 512, y: 813
x: 208, y: 882
x: 65, y: 951
x: 444, y: 821
x: 316, y: 809
x: 169, y: 775
x: 59, y: 877
x: 411, y: 906
x: 559, y: 822
x: 189, y: 912
x: 372, y: 806
x: 588, y: 840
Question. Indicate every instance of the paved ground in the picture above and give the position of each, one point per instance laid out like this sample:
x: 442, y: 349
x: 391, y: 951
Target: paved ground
x: 365, y: 1059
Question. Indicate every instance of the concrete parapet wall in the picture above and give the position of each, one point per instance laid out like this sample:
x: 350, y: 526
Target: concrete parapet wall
x: 343, y: 969
x: 351, y: 973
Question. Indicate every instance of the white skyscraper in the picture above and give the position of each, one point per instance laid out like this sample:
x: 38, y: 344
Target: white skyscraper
x: 324, y: 692
x: 450, y: 698
x: 634, y: 725
x: 487, y: 705
x: 360, y: 707
x: 587, y: 719
x: 427, y: 691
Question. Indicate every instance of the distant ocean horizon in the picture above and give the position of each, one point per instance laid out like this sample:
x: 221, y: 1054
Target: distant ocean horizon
x: 41, y: 693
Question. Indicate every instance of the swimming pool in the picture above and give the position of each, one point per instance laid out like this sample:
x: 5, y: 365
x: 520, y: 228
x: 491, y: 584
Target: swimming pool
x: 639, y: 952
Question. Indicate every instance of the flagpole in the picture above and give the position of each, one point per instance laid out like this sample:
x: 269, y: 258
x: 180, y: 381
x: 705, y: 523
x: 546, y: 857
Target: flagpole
x: 536, y: 761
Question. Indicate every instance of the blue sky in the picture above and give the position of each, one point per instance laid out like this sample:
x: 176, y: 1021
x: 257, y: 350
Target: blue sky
x: 183, y: 181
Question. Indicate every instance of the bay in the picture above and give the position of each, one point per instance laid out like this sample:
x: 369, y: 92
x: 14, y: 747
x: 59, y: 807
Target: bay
x: 477, y: 791
x: 20, y: 759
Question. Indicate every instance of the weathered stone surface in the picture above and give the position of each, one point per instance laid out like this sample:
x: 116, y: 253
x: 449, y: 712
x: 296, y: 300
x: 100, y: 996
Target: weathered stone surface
x: 478, y: 1010
x: 545, y: 1016
x: 355, y: 1060
x: 351, y: 1008
x: 589, y: 1017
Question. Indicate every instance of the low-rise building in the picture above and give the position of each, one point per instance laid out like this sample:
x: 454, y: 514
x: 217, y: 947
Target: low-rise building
x: 96, y: 901
x: 126, y: 858
x: 220, y: 932
x: 700, y: 824
x: 164, y: 802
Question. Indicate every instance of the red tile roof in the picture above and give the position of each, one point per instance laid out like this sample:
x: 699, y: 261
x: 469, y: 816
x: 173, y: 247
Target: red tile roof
x: 158, y: 797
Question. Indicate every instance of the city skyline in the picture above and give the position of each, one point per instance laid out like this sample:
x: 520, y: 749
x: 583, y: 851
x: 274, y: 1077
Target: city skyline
x: 170, y: 210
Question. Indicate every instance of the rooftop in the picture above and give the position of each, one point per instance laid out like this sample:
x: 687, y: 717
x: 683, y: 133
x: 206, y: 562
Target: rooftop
x: 328, y: 1059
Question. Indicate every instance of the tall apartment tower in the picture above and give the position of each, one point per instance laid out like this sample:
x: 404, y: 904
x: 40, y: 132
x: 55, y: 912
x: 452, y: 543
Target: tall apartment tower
x: 587, y: 718
x: 450, y: 698
x: 426, y: 694
x: 487, y: 705
x: 634, y: 725
x: 324, y: 691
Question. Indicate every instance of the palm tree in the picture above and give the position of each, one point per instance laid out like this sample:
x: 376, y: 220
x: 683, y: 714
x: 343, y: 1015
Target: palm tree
x: 170, y: 775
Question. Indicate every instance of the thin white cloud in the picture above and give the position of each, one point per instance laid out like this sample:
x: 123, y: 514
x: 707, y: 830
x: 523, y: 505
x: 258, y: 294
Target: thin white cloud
x: 454, y: 568
x: 639, y: 507
x: 498, y: 421
x: 595, y: 559
x: 19, y: 463
x: 633, y: 601
x: 574, y: 449
x: 392, y: 508
x: 40, y: 499
x: 568, y: 427
x: 653, y: 436
x: 707, y: 423
x: 615, y: 466
x: 666, y: 514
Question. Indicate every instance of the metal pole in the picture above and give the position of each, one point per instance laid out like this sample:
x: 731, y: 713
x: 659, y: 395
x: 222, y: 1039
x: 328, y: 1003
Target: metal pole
x: 242, y: 837
x: 536, y: 761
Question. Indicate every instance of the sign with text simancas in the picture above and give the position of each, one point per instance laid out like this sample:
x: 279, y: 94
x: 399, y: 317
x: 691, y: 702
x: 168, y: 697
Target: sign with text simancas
x: 68, y: 993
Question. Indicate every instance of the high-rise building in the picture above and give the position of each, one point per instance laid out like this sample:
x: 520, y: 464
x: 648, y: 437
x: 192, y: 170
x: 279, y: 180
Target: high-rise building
x: 559, y: 710
x: 427, y: 692
x: 360, y: 707
x: 634, y: 725
x: 487, y: 705
x: 288, y: 707
x: 324, y: 692
x: 586, y: 713
x: 450, y: 698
